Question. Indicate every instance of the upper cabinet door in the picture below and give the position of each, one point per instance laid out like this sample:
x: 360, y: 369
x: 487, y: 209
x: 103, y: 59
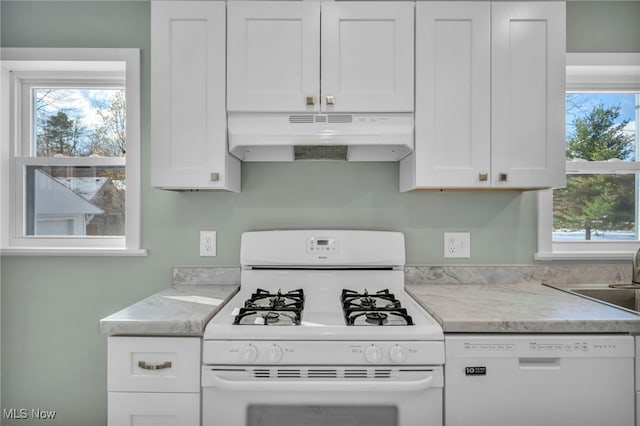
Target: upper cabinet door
x: 528, y: 103
x: 273, y: 56
x: 188, y: 117
x: 367, y: 56
x: 453, y: 95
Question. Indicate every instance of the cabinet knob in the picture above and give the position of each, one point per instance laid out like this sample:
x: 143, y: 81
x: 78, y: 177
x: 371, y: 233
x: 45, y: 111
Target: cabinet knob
x: 330, y: 100
x: 214, y: 177
x: 311, y: 100
x: 483, y: 176
x: 502, y: 177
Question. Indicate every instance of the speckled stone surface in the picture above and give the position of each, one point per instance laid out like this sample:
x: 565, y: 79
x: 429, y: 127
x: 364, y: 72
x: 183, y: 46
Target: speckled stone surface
x: 508, y: 274
x: 198, y: 275
x: 451, y: 274
x: 176, y: 311
x: 519, y: 308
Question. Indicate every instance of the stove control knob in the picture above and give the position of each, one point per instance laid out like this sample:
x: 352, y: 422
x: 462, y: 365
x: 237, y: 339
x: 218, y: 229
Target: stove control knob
x: 373, y: 354
x: 398, y: 354
x: 274, y: 353
x: 249, y: 353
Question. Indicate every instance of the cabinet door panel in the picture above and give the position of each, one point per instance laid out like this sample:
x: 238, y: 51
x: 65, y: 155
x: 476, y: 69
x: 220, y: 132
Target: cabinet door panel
x: 188, y: 117
x: 453, y: 94
x: 367, y: 56
x: 528, y: 94
x: 273, y: 56
x: 148, y: 409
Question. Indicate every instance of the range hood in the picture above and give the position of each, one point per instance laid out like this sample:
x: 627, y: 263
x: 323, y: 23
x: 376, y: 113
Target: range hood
x: 316, y: 136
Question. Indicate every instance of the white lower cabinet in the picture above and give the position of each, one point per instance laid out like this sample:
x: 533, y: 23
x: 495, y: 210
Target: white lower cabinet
x: 166, y: 409
x: 153, y: 381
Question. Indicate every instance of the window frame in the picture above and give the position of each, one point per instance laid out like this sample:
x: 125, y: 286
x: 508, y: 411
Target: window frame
x: 596, y: 72
x: 23, y: 67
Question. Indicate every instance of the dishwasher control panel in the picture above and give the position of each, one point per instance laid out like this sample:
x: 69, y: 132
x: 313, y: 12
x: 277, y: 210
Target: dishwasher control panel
x: 528, y: 345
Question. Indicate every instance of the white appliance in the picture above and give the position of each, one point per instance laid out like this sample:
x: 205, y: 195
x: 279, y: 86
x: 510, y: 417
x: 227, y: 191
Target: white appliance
x: 539, y: 380
x: 282, y: 352
x: 320, y: 136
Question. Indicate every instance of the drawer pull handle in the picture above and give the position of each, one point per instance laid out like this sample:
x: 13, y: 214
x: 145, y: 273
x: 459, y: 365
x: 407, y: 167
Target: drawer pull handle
x: 145, y: 366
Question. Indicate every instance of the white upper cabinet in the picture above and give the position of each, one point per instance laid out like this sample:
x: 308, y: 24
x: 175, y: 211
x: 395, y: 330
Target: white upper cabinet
x: 489, y: 96
x: 528, y: 101
x: 367, y: 56
x: 453, y: 92
x: 188, y: 116
x: 273, y: 55
x: 276, y: 63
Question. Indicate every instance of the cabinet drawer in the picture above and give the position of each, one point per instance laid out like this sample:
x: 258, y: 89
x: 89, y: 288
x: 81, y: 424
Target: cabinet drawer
x: 154, y: 364
x: 167, y: 409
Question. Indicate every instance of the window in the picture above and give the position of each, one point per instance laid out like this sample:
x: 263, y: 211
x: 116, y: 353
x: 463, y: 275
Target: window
x: 597, y: 214
x: 70, y: 158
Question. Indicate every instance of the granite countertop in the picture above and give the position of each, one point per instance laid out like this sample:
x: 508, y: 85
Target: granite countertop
x: 176, y: 311
x: 519, y: 308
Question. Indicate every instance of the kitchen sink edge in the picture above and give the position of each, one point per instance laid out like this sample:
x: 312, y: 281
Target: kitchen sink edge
x: 621, y: 296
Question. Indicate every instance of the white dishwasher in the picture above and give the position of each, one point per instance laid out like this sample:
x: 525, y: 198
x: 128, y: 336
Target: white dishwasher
x: 539, y: 380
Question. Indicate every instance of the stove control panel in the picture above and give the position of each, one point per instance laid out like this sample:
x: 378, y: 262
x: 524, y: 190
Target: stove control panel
x: 322, y: 245
x: 322, y: 352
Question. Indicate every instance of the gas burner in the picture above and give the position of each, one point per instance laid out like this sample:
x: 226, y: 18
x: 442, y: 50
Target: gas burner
x: 250, y: 316
x: 265, y: 308
x: 271, y: 317
x: 263, y: 299
x: 380, y: 299
x: 380, y: 308
x: 376, y: 318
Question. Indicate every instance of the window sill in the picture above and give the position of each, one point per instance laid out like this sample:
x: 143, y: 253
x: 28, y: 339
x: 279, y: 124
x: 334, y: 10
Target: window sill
x: 594, y: 255
x: 64, y: 251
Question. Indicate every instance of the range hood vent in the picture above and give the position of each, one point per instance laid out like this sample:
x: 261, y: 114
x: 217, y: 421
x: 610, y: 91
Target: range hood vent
x: 346, y: 137
x: 320, y: 152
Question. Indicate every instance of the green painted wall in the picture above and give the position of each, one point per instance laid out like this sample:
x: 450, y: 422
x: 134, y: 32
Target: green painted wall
x: 52, y: 354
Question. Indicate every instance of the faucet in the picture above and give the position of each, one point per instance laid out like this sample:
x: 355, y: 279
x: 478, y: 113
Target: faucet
x: 635, y: 278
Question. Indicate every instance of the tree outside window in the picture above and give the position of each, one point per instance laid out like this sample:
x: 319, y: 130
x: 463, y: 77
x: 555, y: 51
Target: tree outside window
x: 598, y: 206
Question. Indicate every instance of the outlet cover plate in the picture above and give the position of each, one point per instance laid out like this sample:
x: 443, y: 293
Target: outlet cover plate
x: 457, y: 244
x: 207, y: 243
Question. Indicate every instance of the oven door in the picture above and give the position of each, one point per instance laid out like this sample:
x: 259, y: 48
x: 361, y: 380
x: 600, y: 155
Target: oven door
x: 322, y: 395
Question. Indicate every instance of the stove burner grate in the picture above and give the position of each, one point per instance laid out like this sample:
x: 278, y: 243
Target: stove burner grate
x: 265, y: 308
x: 380, y: 308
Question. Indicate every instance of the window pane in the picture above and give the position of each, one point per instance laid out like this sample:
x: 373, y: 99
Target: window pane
x: 78, y: 122
x: 601, y: 126
x: 596, y: 207
x: 75, y: 201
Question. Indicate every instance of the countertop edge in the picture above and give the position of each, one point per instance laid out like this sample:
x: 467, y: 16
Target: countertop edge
x: 169, y: 312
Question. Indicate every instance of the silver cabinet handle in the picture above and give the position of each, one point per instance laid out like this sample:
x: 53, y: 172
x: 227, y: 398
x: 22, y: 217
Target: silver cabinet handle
x: 311, y: 100
x: 483, y: 176
x: 330, y: 100
x: 502, y: 177
x: 145, y: 366
x: 214, y: 177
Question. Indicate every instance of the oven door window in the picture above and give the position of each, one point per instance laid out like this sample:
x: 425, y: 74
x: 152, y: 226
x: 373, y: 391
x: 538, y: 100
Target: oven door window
x: 322, y: 415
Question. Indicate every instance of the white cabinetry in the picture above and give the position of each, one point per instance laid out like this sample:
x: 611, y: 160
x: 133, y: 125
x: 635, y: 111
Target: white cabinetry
x: 153, y: 381
x: 320, y: 56
x: 188, y: 117
x: 489, y: 96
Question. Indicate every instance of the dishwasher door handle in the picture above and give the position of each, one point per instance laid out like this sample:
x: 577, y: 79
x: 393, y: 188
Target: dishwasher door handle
x: 539, y: 363
x: 211, y: 379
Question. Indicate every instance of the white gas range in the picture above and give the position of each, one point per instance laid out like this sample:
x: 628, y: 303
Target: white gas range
x: 322, y: 332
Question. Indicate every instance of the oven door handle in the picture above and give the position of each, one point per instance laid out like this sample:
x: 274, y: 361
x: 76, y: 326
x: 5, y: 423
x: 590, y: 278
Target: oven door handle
x: 211, y: 379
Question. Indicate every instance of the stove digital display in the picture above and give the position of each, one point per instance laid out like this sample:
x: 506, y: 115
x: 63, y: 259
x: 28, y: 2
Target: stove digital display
x: 323, y: 245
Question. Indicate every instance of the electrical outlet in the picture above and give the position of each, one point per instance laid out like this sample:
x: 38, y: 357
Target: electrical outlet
x: 457, y: 244
x: 207, y: 243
